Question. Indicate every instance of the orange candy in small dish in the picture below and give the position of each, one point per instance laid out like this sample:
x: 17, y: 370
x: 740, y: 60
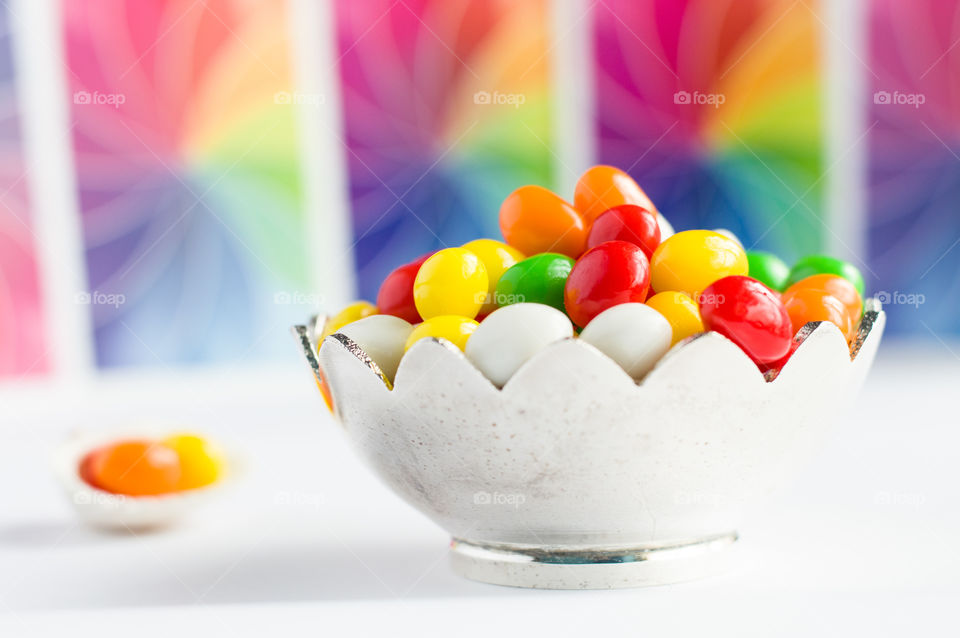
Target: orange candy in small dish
x: 139, y: 479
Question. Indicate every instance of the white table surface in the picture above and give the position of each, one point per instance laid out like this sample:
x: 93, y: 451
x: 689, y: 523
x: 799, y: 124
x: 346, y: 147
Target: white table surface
x: 865, y: 542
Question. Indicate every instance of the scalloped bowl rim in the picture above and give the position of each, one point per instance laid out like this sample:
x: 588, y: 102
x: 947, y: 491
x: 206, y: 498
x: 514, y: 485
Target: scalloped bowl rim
x: 428, y: 347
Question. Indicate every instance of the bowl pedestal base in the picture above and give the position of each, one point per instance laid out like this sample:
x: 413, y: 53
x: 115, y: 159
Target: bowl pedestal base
x: 553, y: 567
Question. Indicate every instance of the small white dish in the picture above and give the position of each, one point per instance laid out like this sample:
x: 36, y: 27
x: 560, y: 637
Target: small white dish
x: 121, y: 512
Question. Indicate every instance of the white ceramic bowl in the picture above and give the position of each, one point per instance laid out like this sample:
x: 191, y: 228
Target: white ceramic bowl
x: 117, y: 511
x: 575, y: 476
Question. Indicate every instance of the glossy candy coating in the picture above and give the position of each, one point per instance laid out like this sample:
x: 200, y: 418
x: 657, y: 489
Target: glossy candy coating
x: 201, y: 463
x: 454, y: 329
x: 324, y: 388
x: 810, y: 304
x: 666, y: 228
x: 612, y: 273
x: 601, y: 188
x: 782, y: 361
x: 837, y: 286
x: 510, y: 336
x: 396, y: 292
x: 749, y: 314
x: 497, y: 257
x: 134, y: 468
x: 680, y: 311
x: 768, y: 269
x: 629, y: 223
x: 729, y: 234
x: 632, y: 334
x: 538, y: 279
x: 383, y: 338
x: 535, y: 220
x: 353, y: 312
x: 452, y: 281
x: 822, y: 264
x: 691, y: 260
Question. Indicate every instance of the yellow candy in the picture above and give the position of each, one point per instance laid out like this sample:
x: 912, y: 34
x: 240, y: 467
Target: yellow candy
x: 496, y: 257
x: 354, y: 312
x: 454, y: 329
x: 453, y: 281
x: 681, y: 313
x: 690, y: 261
x: 200, y: 462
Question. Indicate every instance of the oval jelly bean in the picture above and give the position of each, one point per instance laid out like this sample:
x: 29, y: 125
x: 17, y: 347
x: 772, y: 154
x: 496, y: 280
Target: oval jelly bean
x: 535, y: 220
x: 383, y: 338
x: 822, y: 264
x: 837, y: 286
x: 354, y: 312
x: 510, y: 336
x: 782, y: 361
x: 681, y: 313
x: 497, y: 257
x: 632, y: 334
x: 134, y: 468
x: 601, y: 188
x: 201, y: 463
x: 453, y: 281
x: 324, y: 388
x: 612, y: 273
x: 537, y: 279
x: 396, y: 292
x: 768, y: 269
x: 691, y: 260
x: 729, y: 234
x: 666, y: 228
x: 456, y: 330
x: 629, y: 223
x: 749, y: 314
x: 810, y: 304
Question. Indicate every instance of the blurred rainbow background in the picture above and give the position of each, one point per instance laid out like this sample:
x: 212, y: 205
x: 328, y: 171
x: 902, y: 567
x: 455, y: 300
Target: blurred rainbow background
x: 191, y: 151
x: 715, y: 108
x: 429, y: 158
x: 187, y: 176
x: 914, y: 218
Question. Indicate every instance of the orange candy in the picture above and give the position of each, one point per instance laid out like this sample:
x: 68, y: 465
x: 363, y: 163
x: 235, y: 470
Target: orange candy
x: 809, y: 304
x: 837, y: 286
x: 601, y: 188
x: 134, y: 468
x: 534, y: 220
x: 325, y: 393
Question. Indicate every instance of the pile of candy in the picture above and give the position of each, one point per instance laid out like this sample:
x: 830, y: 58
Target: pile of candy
x: 608, y: 268
x: 141, y: 467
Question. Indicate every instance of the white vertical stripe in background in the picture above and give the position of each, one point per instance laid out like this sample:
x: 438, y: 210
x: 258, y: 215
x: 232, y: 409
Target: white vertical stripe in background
x: 572, y: 91
x: 47, y: 138
x: 846, y: 76
x: 322, y: 152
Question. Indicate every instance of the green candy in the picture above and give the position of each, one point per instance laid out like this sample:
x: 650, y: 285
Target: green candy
x: 537, y: 279
x: 823, y: 265
x: 768, y: 269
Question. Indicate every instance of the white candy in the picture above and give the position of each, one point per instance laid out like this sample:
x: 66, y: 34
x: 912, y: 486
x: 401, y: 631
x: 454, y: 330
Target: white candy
x: 666, y: 229
x: 728, y: 234
x: 632, y: 334
x: 511, y: 335
x: 382, y: 337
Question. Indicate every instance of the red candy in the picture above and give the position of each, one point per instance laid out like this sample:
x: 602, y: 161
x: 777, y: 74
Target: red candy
x: 396, y: 292
x: 782, y: 361
x: 612, y: 273
x: 749, y: 314
x: 629, y: 223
